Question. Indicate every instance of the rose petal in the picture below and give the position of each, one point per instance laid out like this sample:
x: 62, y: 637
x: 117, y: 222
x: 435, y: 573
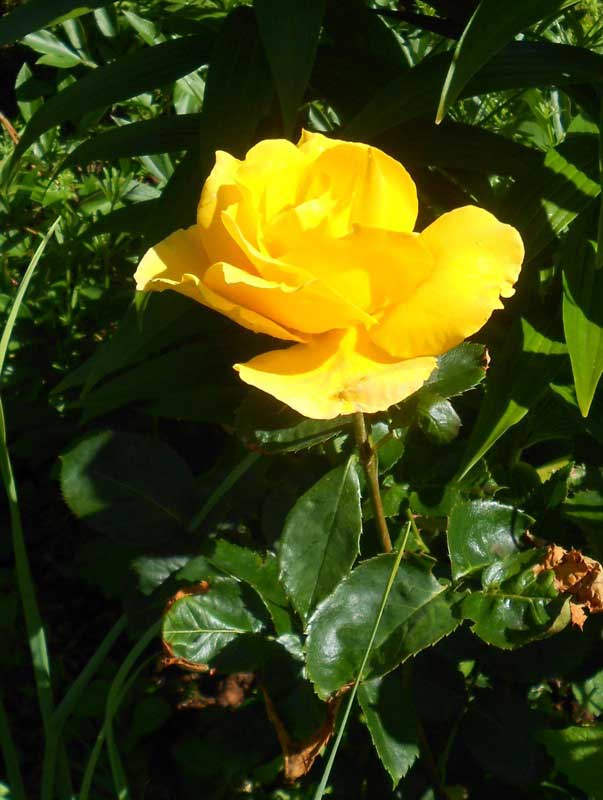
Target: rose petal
x: 371, y: 268
x: 180, y: 263
x: 477, y: 259
x: 370, y: 188
x: 339, y: 372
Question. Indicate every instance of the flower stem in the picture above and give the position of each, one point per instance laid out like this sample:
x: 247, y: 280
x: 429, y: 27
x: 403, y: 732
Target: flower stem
x: 368, y: 459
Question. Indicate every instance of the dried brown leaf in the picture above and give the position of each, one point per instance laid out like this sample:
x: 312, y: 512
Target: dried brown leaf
x: 579, y: 576
x: 300, y: 756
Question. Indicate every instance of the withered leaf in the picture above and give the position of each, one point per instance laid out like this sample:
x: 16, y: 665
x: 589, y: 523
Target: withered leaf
x: 579, y: 576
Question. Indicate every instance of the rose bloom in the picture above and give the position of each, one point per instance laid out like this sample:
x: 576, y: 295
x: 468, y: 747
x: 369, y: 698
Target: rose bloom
x: 314, y: 244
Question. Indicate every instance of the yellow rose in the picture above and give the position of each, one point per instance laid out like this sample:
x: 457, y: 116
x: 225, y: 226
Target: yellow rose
x: 314, y: 243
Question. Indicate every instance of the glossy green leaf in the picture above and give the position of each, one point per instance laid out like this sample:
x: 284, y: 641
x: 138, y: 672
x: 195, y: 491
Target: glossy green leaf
x: 290, y: 32
x: 517, y: 379
x: 437, y: 419
x: 321, y: 538
x: 577, y: 754
x: 125, y: 77
x: 159, y: 135
x: 128, y: 486
x: 387, y: 705
x: 458, y: 370
x: 589, y: 693
x: 583, y: 316
x: 490, y: 28
x: 259, y: 572
x: 198, y: 627
x: 516, y: 605
x: 265, y: 424
x: 418, y: 613
x: 481, y: 532
x: 36, y: 14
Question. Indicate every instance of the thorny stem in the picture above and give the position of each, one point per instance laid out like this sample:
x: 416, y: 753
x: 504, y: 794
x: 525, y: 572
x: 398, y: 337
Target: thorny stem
x: 368, y: 459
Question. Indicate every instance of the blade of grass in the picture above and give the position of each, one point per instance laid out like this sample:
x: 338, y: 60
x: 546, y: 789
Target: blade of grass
x: 346, y: 714
x: 36, y: 634
x: 117, y: 691
x: 68, y: 703
x: 9, y: 754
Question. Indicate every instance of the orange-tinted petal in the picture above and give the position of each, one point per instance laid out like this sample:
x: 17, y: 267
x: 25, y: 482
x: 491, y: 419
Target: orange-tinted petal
x: 476, y: 260
x: 339, y: 372
x: 180, y: 263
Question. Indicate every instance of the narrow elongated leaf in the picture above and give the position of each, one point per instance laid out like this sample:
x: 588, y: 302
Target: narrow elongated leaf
x: 577, y: 754
x: 456, y: 145
x: 198, y: 627
x: 151, y: 136
x: 36, y: 14
x: 583, y: 316
x: 125, y: 77
x: 544, y: 203
x: 481, y: 532
x: 519, y: 65
x: 130, y: 487
x: 238, y: 94
x: 290, y: 32
x: 418, y: 613
x: 517, y: 379
x: 490, y: 28
x: 517, y: 605
x: 390, y: 717
x: 321, y: 538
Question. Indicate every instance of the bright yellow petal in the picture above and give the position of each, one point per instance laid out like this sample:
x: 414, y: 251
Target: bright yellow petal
x: 332, y: 304
x: 339, y: 372
x: 371, y: 188
x: 312, y: 145
x: 372, y: 268
x: 271, y: 172
x: 179, y: 263
x: 477, y: 260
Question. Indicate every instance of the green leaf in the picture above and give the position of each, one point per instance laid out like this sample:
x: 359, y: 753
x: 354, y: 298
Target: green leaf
x: 37, y: 14
x: 456, y: 145
x: 589, y: 693
x: 390, y: 717
x: 238, y: 95
x: 128, y: 486
x: 583, y: 316
x: 321, y: 538
x: 198, y: 627
x: 516, y: 605
x: 290, y: 32
x: 55, y: 52
x: 265, y: 424
x: 151, y: 136
x: 516, y: 381
x: 125, y: 77
x: 414, y: 93
x: 481, y: 532
x: 577, y: 754
x: 545, y: 202
x: 458, y: 370
x: 418, y: 613
x: 437, y: 419
x: 260, y: 573
x: 490, y: 28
